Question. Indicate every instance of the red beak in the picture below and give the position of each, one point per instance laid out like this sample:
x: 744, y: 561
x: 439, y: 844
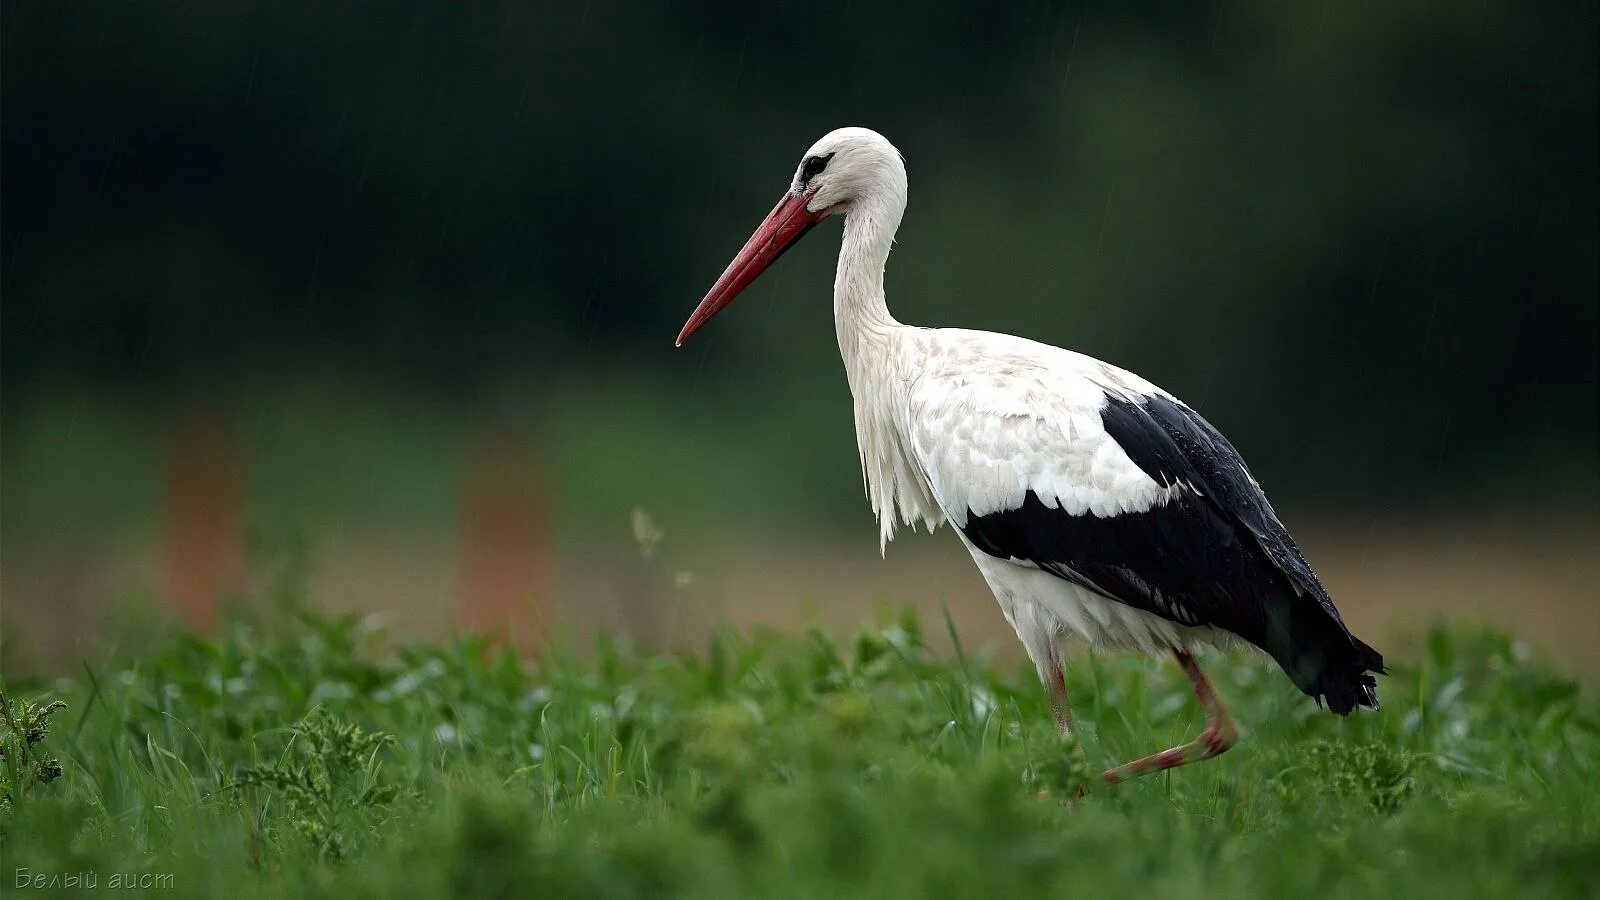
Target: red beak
x: 782, y: 227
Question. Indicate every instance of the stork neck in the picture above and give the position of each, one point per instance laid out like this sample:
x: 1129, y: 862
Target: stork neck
x: 860, y: 314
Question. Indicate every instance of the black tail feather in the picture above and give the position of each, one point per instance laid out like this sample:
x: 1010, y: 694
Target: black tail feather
x: 1346, y: 681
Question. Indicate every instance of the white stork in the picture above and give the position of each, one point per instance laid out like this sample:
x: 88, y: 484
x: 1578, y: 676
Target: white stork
x: 1095, y: 504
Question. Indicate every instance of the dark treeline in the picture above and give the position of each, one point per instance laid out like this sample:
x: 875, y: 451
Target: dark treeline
x: 1372, y: 223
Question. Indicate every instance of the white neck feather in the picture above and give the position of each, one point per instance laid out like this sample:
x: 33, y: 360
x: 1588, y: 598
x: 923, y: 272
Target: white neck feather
x: 876, y: 363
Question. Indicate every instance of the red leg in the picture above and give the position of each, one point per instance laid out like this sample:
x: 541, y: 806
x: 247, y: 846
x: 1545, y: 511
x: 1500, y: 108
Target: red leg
x: 1219, y: 735
x: 1056, y: 687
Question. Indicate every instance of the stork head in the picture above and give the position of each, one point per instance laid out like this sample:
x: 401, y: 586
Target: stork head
x: 850, y: 169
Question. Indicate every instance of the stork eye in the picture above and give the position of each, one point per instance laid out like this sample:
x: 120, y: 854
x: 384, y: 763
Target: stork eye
x: 813, y: 167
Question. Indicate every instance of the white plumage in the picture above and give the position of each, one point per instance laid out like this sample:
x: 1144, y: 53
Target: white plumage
x: 1095, y: 504
x: 987, y: 418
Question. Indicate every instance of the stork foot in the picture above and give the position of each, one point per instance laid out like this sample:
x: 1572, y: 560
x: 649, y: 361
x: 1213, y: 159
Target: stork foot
x: 1220, y: 732
x: 1068, y: 801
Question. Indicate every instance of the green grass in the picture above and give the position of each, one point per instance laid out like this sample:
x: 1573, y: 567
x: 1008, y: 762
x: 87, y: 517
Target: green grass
x: 327, y: 760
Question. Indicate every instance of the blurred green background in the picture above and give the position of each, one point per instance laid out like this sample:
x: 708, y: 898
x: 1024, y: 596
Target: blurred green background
x: 369, y: 250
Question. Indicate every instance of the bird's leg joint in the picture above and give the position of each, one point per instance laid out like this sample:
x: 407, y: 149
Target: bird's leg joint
x: 1219, y: 735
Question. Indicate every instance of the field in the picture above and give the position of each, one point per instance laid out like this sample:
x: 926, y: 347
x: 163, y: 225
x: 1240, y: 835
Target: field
x: 329, y: 758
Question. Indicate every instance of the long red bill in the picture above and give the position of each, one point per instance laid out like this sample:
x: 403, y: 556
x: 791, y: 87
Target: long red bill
x: 786, y: 224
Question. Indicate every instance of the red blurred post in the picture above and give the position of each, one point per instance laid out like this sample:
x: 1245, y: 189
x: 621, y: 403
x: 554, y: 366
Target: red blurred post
x: 203, y: 533
x: 505, y: 543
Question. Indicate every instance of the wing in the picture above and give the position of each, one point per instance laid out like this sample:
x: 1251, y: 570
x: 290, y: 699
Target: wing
x: 1101, y: 479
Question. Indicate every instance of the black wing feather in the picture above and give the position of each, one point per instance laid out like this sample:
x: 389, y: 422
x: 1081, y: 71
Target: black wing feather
x: 1215, y: 554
